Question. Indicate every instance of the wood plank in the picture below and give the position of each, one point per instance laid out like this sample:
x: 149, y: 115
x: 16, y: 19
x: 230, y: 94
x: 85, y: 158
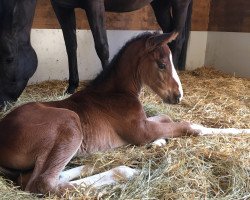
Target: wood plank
x: 142, y: 19
x: 200, y: 16
x: 230, y: 15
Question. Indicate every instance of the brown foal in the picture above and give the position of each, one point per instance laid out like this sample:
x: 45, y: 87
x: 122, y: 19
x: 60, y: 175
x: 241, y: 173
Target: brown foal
x: 37, y: 140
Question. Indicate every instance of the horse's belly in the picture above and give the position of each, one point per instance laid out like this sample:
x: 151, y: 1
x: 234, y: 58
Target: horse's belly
x: 67, y: 3
x: 125, y: 5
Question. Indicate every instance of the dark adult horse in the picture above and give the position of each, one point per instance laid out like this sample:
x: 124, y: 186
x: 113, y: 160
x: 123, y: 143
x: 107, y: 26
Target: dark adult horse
x: 171, y: 15
x: 18, y: 60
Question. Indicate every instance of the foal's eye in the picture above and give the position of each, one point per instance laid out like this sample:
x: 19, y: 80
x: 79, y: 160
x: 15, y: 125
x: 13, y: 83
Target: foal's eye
x: 161, y: 65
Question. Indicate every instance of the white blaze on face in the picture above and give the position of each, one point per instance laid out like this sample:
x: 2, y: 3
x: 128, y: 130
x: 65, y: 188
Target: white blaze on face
x: 175, y: 76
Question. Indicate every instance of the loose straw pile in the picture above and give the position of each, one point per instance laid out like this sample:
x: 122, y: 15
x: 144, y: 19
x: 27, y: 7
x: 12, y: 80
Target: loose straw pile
x: 214, y: 167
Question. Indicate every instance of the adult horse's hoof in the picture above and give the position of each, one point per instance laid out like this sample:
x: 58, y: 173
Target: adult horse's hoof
x: 70, y: 90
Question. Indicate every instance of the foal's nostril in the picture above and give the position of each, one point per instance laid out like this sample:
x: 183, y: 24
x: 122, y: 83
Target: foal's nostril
x: 178, y: 98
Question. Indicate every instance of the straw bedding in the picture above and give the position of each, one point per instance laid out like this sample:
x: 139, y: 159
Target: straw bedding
x: 214, y: 167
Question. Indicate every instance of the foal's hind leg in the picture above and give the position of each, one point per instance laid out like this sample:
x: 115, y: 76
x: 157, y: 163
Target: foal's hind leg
x: 23, y: 179
x: 109, y: 177
x: 66, y: 18
x: 160, y: 118
x: 45, y: 177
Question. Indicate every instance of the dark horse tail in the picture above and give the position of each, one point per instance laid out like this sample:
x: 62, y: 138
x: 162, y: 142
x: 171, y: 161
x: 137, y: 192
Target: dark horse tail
x: 185, y: 36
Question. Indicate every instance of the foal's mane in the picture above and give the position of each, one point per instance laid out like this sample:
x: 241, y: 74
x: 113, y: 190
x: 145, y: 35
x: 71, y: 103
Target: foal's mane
x: 104, y: 75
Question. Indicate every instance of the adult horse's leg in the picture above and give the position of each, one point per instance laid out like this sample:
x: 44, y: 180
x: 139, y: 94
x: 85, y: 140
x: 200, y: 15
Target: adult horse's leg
x: 182, y: 14
x: 179, y: 21
x: 163, y: 14
x: 185, y: 38
x: 66, y: 18
x: 95, y: 11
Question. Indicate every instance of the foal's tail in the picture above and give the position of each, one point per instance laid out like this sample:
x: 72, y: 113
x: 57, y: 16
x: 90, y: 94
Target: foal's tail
x: 185, y: 37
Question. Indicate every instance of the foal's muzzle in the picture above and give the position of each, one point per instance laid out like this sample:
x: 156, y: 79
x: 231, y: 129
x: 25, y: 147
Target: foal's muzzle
x: 173, y: 99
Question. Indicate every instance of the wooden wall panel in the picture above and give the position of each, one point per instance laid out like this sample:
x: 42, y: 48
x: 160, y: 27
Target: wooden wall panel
x: 45, y: 16
x: 230, y: 15
x: 142, y: 19
x: 200, y: 16
x: 137, y: 20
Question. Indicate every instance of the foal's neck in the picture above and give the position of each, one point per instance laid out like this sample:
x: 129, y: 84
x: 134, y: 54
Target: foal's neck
x: 125, y: 77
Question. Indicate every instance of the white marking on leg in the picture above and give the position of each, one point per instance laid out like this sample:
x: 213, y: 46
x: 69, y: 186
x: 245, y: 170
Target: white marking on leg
x: 107, y: 178
x: 159, y: 142
x: 175, y: 75
x: 71, y: 174
x: 217, y: 131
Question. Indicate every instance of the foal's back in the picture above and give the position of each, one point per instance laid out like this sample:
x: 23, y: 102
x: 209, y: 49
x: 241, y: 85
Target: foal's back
x: 96, y: 117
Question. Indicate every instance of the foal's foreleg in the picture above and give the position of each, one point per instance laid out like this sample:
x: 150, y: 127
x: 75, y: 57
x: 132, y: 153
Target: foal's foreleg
x: 146, y: 131
x: 160, y: 119
x: 203, y: 131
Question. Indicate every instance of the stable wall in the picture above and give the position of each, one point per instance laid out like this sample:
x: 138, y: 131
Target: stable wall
x: 228, y: 42
x: 229, y: 52
x: 52, y: 57
x: 142, y: 19
x: 47, y: 39
x: 210, y: 42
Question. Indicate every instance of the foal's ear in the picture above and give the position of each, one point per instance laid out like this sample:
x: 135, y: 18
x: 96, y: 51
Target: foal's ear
x: 161, y: 39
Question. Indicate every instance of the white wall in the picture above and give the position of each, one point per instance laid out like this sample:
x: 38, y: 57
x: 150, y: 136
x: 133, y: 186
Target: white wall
x: 52, y: 58
x: 196, y: 50
x: 229, y: 52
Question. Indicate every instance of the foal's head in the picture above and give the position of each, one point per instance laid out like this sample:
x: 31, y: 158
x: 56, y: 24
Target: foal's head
x: 157, y: 69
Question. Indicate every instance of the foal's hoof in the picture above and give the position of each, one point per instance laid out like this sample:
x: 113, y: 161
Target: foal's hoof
x: 196, y: 129
x: 63, y: 188
x: 158, y: 143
